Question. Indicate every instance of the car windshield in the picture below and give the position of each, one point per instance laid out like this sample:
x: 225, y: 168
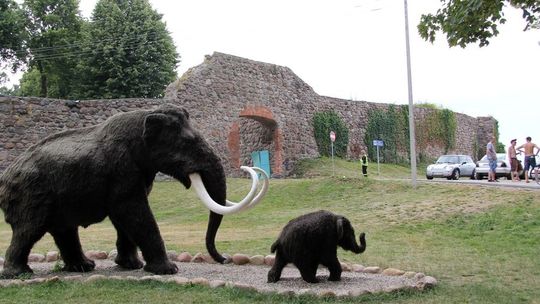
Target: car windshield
x: 500, y: 157
x: 448, y: 159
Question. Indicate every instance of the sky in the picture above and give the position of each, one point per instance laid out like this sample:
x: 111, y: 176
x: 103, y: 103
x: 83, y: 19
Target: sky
x: 355, y: 49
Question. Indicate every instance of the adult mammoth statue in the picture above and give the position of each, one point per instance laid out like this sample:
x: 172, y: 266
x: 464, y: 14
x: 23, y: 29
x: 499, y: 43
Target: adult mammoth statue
x: 78, y: 177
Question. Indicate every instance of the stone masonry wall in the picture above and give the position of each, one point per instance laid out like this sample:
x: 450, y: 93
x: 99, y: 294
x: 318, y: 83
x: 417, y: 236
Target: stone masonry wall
x: 239, y: 105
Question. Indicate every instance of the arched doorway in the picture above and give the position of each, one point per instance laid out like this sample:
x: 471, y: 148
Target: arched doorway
x: 255, y: 130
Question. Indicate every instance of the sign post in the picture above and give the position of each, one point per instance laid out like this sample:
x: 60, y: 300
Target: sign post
x: 378, y: 143
x: 332, y: 139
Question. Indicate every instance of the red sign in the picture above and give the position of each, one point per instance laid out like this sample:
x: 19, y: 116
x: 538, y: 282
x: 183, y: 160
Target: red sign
x: 332, y: 136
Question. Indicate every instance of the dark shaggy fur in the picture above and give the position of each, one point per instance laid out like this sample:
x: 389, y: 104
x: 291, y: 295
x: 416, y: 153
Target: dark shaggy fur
x: 312, y: 239
x: 79, y: 177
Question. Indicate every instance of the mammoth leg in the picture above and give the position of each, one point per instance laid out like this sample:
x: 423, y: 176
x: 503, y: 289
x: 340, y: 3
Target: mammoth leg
x: 308, y: 270
x: 334, y: 267
x: 68, y: 242
x: 22, y: 241
x: 134, y: 218
x: 127, y: 251
x: 275, y: 272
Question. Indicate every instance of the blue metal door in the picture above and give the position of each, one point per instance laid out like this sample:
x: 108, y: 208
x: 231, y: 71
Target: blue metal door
x: 261, y: 159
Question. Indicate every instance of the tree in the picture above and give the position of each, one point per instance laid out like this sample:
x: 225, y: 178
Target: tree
x: 12, y: 36
x: 130, y: 52
x: 472, y: 21
x: 53, y: 33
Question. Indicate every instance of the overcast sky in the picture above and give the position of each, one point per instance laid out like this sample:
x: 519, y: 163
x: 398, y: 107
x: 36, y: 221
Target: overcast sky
x: 355, y: 49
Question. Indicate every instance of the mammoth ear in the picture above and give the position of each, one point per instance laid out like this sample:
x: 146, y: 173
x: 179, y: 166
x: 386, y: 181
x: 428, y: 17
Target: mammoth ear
x: 153, y: 126
x: 339, y: 224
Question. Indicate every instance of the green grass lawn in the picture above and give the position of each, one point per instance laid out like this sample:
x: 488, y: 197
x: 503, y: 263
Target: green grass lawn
x: 481, y: 243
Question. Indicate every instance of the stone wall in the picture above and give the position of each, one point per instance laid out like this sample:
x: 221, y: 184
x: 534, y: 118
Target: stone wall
x: 239, y: 105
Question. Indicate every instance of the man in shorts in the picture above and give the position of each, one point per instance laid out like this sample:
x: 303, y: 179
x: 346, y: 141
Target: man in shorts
x: 492, y: 159
x: 512, y: 155
x: 530, y: 156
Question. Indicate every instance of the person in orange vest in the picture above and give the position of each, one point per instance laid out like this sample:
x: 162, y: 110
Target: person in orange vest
x: 364, y: 161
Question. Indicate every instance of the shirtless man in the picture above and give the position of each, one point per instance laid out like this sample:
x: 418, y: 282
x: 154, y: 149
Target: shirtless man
x: 530, y: 160
x: 512, y: 155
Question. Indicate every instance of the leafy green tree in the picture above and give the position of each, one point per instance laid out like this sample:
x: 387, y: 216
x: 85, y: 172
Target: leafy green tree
x: 12, y: 36
x: 53, y: 33
x: 130, y: 52
x: 472, y: 21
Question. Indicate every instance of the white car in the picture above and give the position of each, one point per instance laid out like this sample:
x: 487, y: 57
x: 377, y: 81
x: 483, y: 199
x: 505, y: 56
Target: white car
x: 502, y: 170
x: 452, y: 167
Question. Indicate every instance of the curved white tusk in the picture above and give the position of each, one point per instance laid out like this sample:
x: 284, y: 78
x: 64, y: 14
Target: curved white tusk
x: 254, y: 181
x: 261, y: 193
x: 231, y: 206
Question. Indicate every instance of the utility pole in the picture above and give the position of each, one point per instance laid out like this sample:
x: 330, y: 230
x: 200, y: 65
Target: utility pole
x: 411, y: 105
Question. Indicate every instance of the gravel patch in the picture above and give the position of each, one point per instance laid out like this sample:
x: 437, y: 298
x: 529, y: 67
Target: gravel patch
x: 245, y: 276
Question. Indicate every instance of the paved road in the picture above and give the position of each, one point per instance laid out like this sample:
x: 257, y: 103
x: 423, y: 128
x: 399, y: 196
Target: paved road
x: 502, y: 183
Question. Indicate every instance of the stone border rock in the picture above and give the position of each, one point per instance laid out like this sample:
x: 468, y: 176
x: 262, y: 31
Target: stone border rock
x: 393, y: 279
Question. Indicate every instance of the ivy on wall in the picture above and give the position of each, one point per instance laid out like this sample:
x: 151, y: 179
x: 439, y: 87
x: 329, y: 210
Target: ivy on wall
x: 438, y: 127
x: 392, y: 127
x: 323, y: 123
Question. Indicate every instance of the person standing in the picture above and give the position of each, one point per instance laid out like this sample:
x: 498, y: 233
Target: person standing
x: 491, y: 154
x: 530, y: 156
x: 512, y: 155
x: 364, y: 160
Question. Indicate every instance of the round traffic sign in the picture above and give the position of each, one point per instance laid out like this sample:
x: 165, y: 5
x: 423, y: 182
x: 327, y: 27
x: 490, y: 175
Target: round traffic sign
x: 332, y: 136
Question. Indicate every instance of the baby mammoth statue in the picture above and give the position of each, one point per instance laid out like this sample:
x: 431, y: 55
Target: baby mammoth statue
x: 312, y: 239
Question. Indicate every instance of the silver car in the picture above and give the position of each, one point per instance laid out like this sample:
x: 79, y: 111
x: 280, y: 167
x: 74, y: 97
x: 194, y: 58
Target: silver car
x: 452, y: 167
x: 502, y: 170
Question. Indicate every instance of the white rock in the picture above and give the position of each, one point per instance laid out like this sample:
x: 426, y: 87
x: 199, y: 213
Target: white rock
x: 184, y: 257
x: 393, y: 272
x: 36, y: 258
x: 372, y: 269
x: 257, y: 260
x: 96, y: 255
x: 52, y: 256
x: 326, y: 293
x: 240, y: 259
x: 269, y: 260
x: 409, y: 274
x: 217, y: 283
x: 200, y: 281
x: 357, y: 267
x: 181, y: 280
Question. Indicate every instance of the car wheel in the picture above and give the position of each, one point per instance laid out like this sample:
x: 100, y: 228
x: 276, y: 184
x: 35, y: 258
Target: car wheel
x: 455, y: 174
x: 509, y: 176
x: 429, y: 177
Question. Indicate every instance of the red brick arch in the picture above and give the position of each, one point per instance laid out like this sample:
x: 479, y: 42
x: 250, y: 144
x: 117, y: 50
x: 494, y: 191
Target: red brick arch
x: 264, y: 116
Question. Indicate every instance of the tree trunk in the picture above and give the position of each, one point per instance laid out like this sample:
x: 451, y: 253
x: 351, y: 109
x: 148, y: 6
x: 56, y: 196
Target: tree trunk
x: 43, y: 80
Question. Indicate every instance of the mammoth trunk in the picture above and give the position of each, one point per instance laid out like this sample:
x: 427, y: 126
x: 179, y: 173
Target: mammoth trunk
x: 215, y: 185
x: 359, y: 249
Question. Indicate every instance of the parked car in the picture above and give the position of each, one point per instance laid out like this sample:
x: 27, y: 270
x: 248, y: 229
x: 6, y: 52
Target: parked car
x: 502, y: 170
x: 452, y: 167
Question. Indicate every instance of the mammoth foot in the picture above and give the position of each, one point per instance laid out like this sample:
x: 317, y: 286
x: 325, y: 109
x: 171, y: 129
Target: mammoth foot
x: 14, y: 272
x: 334, y: 278
x: 129, y: 262
x: 85, y: 266
x: 167, y: 267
